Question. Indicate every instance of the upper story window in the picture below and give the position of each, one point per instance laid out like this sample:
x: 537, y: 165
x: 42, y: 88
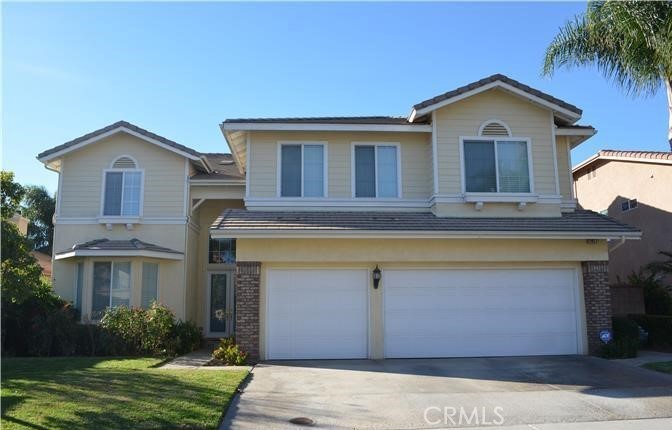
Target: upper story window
x: 629, y: 205
x: 376, y: 170
x: 222, y: 251
x: 302, y: 170
x: 496, y: 165
x: 122, y: 189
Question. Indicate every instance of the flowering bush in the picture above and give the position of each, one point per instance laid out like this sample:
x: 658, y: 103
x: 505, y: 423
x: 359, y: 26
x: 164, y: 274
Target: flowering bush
x: 229, y: 353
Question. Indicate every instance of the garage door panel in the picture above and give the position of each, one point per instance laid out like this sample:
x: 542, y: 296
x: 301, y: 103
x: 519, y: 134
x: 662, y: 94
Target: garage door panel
x: 480, y: 346
x: 317, y: 314
x: 459, y: 312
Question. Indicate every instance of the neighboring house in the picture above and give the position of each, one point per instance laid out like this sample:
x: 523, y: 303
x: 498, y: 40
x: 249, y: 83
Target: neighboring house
x: 44, y: 260
x: 452, y: 232
x: 633, y: 187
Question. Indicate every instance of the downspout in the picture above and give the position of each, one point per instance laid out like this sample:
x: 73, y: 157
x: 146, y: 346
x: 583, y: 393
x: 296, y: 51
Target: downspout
x: 618, y: 245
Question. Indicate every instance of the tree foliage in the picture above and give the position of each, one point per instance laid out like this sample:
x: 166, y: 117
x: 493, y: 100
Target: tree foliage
x: 39, y: 207
x: 630, y: 42
x: 11, y: 194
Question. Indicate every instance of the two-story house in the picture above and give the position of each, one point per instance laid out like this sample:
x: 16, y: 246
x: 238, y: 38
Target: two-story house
x: 450, y: 232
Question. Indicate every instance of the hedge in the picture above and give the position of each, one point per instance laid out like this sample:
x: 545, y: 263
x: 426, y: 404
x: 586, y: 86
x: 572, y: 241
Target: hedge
x: 659, y: 328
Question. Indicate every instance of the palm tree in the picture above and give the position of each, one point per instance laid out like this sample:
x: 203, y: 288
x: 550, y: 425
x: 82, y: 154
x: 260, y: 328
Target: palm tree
x: 630, y: 42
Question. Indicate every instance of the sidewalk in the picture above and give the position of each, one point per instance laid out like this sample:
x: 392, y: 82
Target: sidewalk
x: 645, y: 357
x: 645, y: 424
x: 198, y: 360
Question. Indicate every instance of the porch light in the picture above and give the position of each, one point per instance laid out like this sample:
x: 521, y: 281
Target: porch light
x: 376, y: 277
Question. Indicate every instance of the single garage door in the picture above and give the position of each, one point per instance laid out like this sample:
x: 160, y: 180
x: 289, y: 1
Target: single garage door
x: 316, y: 314
x: 477, y: 313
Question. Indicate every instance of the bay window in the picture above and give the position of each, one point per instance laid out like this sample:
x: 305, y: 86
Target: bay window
x: 302, y: 170
x: 496, y: 166
x: 376, y: 171
x: 111, y: 286
x: 150, y: 284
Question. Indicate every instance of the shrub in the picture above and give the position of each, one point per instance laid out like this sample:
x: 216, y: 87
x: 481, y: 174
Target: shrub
x: 151, y: 331
x: 620, y: 348
x: 626, y: 339
x: 659, y: 328
x: 229, y: 353
x: 657, y: 300
x: 186, y: 337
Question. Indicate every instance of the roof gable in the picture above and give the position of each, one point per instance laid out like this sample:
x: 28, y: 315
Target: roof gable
x: 120, y: 127
x: 564, y: 112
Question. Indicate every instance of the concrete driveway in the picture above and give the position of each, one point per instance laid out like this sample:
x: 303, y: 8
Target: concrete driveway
x: 440, y: 393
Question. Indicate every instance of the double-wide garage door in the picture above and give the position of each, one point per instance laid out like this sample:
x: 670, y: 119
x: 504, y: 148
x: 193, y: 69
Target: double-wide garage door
x: 427, y: 313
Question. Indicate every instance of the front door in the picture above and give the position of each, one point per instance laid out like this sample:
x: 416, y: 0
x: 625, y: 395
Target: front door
x: 220, y: 304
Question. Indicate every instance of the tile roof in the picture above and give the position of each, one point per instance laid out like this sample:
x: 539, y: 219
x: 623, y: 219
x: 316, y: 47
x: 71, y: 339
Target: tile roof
x: 111, y: 127
x: 119, y: 245
x: 494, y: 78
x: 223, y: 166
x: 653, y: 155
x: 395, y: 120
x: 580, y: 221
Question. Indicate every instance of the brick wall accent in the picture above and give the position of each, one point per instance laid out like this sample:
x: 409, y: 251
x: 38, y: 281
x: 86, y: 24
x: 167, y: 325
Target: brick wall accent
x: 247, y: 307
x: 597, y: 297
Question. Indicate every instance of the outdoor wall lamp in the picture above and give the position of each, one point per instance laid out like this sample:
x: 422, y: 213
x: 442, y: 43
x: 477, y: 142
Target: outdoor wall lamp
x: 376, y: 277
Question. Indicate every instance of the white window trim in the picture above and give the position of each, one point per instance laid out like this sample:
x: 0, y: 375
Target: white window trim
x: 112, y: 263
x: 124, y: 156
x: 530, y: 168
x: 325, y: 167
x: 496, y: 121
x: 120, y: 217
x: 353, y: 176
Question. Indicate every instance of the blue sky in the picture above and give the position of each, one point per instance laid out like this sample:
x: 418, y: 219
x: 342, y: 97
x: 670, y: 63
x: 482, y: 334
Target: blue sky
x: 179, y: 69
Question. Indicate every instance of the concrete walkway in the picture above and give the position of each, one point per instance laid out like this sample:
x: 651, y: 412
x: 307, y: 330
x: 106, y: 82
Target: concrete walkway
x: 198, y: 360
x: 645, y: 357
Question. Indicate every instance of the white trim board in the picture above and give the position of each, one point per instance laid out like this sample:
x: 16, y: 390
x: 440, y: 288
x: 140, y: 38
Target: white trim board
x: 561, y: 111
x: 285, y: 126
x: 112, y: 132
x: 119, y: 253
x: 376, y: 234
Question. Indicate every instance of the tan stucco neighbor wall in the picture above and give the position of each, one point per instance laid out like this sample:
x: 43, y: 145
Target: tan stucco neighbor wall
x: 614, y: 182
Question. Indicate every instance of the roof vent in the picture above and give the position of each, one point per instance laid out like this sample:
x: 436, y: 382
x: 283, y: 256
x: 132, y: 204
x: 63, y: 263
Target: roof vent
x: 124, y: 163
x: 495, y: 128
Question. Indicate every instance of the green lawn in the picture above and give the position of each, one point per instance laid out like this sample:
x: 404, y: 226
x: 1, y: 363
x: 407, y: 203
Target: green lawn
x: 661, y: 366
x: 111, y: 393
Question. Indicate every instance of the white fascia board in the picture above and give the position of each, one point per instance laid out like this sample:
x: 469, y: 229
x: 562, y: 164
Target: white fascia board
x: 255, y: 126
x: 46, y: 159
x: 568, y: 131
x: 120, y: 253
x: 375, y: 234
x: 565, y: 113
x: 238, y: 158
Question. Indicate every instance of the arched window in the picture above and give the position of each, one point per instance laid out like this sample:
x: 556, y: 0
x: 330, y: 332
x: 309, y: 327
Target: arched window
x: 122, y: 188
x: 494, y: 127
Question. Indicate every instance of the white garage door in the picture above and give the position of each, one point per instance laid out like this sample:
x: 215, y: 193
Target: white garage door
x: 317, y: 314
x: 471, y: 313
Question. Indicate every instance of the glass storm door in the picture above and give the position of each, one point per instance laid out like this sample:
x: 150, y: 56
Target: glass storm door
x: 220, y: 304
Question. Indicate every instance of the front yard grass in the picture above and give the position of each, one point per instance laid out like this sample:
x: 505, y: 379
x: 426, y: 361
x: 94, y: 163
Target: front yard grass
x: 111, y: 393
x: 660, y: 366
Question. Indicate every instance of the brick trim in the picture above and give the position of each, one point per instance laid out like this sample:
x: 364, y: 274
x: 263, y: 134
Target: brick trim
x: 247, y: 290
x: 597, y: 298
